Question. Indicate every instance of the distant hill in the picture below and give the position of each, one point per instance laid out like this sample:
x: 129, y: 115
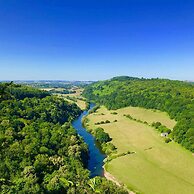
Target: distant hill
x: 174, y: 97
x: 51, y: 83
x: 123, y: 78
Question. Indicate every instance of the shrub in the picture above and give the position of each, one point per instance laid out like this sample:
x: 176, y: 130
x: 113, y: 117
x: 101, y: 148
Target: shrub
x: 167, y: 140
x: 102, y: 136
x: 156, y: 124
x: 108, y: 148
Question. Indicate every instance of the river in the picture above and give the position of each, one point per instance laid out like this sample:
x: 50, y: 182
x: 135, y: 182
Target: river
x: 96, y: 157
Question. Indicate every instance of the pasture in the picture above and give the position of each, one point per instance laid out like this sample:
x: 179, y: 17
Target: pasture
x: 74, y: 98
x: 156, y: 167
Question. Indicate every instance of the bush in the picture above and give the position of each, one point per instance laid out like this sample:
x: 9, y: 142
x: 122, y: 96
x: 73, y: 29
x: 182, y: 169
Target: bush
x: 128, y: 116
x: 108, y: 148
x: 101, y: 136
x: 93, y: 110
x: 167, y: 131
x: 167, y: 140
x: 156, y: 124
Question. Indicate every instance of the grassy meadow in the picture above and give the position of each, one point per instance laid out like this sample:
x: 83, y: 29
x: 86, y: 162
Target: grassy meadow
x: 74, y: 97
x: 156, y: 167
x: 80, y: 103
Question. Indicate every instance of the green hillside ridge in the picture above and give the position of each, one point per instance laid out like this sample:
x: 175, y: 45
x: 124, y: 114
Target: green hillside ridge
x: 40, y: 152
x: 174, y: 97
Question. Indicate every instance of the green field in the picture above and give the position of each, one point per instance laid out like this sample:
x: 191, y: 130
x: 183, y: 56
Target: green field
x: 155, y: 167
x: 76, y: 96
x: 80, y: 103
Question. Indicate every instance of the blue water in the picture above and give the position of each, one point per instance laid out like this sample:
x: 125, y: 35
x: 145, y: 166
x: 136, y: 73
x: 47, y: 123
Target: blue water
x: 96, y: 157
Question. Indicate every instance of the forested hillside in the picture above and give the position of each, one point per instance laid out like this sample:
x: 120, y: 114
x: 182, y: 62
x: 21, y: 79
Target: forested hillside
x: 174, y: 97
x: 40, y: 152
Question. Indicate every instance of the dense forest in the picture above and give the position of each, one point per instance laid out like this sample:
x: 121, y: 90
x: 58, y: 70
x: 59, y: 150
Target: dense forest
x: 40, y: 152
x: 174, y: 97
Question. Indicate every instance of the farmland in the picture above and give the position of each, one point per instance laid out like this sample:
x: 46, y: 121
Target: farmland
x: 155, y: 166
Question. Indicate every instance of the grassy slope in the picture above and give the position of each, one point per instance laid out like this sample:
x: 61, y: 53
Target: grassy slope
x: 149, y: 115
x: 80, y: 103
x: 164, y: 169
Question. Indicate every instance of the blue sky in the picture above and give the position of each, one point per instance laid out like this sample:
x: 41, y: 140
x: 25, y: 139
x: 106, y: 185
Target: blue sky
x: 96, y: 39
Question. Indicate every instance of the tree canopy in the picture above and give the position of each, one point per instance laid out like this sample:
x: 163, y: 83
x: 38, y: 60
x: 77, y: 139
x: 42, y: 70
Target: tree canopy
x: 40, y: 151
x: 174, y: 97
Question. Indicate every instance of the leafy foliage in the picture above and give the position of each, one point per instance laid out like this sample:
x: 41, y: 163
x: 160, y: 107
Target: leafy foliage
x: 174, y: 97
x: 40, y: 152
x: 11, y: 90
x: 161, y: 128
x: 101, y: 136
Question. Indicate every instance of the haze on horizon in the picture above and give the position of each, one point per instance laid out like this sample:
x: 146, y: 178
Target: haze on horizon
x: 94, y: 40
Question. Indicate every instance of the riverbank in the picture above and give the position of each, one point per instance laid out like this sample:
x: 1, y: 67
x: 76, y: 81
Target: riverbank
x: 110, y: 177
x: 106, y: 174
x: 96, y: 157
x: 140, y: 169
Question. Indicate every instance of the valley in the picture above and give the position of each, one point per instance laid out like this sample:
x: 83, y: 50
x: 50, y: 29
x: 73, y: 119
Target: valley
x: 155, y: 166
x: 140, y: 132
x: 97, y: 97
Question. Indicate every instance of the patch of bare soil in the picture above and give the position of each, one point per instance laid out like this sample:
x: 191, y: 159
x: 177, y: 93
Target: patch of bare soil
x: 110, y: 177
